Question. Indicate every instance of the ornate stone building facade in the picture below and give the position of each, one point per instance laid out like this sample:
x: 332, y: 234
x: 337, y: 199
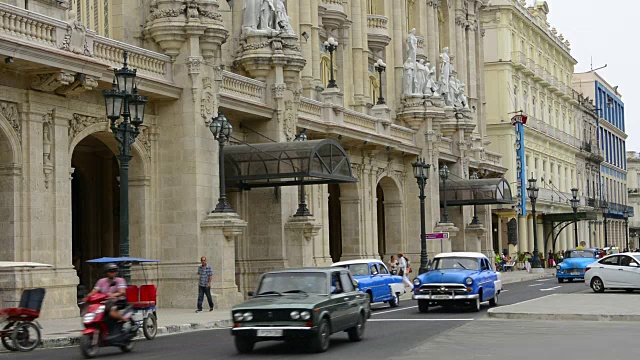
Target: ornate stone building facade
x: 262, y: 63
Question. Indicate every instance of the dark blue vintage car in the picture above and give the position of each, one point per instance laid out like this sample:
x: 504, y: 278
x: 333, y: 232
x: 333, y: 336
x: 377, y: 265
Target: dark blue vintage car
x: 457, y: 278
x: 375, y: 279
x: 574, y: 264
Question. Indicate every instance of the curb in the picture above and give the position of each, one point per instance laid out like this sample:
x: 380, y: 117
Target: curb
x: 565, y: 317
x: 66, y: 341
x: 527, y: 278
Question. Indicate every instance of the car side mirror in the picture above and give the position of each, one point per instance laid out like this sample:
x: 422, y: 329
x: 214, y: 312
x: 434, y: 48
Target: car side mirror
x: 250, y: 293
x: 355, y: 283
x: 374, y: 273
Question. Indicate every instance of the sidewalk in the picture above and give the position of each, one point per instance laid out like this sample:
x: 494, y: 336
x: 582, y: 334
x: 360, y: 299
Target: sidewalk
x: 515, y: 276
x: 585, y: 307
x: 65, y: 332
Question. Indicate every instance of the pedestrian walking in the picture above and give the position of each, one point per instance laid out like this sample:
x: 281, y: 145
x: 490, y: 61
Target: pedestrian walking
x: 403, y: 270
x: 550, y: 260
x: 205, y: 274
x: 393, y: 265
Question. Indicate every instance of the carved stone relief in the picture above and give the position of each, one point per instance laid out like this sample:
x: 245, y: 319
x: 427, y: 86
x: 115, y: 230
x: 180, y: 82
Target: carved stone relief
x: 10, y: 112
x: 48, y: 82
x: 75, y: 40
x: 145, y: 139
x: 207, y: 100
x: 48, y: 137
x: 289, y: 121
x: 79, y: 122
x: 166, y: 13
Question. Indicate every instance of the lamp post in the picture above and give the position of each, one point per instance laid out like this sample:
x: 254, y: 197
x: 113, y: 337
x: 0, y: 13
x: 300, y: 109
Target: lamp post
x: 221, y: 129
x: 574, y: 205
x: 475, y: 220
x: 124, y: 101
x: 331, y: 45
x: 625, y: 215
x: 302, y: 206
x: 380, y: 67
x: 532, y: 192
x: 444, y: 175
x: 421, y: 173
x: 605, y: 209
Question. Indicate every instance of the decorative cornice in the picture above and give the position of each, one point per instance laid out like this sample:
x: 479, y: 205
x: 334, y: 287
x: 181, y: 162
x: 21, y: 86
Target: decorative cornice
x: 166, y: 13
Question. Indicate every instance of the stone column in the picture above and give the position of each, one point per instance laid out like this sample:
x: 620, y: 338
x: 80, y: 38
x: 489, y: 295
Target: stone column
x: 301, y: 233
x: 540, y: 234
x: 358, y: 40
x: 431, y: 34
x: 530, y: 225
x: 523, y: 234
x: 474, y: 69
x: 306, y: 46
x: 352, y: 232
x: 398, y: 50
x: 461, y: 49
x: 220, y: 231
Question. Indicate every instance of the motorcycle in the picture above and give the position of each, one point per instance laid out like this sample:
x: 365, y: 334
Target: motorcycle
x: 96, y: 333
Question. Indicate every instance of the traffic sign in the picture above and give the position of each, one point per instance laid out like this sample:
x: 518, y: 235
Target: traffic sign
x: 437, y: 236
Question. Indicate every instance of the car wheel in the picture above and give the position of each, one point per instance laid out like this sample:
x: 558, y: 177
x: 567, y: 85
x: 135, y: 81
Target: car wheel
x: 6, y: 340
x: 87, y: 347
x: 560, y: 280
x: 150, y: 327
x: 476, y: 306
x: 597, y: 285
x: 423, y: 306
x: 320, y: 343
x: 494, y: 301
x: 244, y: 344
x: 356, y: 333
x: 26, y: 337
x: 396, y: 300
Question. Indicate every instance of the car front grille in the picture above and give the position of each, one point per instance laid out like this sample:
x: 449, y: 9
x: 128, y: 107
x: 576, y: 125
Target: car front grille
x: 442, y: 289
x: 272, y: 315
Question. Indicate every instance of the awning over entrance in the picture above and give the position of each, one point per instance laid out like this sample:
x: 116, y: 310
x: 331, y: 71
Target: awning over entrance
x: 287, y: 163
x: 476, y: 192
x: 564, y: 217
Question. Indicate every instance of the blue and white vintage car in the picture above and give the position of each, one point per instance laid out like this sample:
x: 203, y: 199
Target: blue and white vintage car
x: 375, y: 279
x: 457, y: 278
x: 574, y: 264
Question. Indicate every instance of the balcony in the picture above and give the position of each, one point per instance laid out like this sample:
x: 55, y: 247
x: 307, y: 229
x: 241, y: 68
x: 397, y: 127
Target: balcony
x: 553, y: 84
x: 378, y: 32
x: 539, y: 73
x: 593, y: 153
x: 546, y: 80
x: 532, y: 66
x: 332, y: 13
x: 519, y: 60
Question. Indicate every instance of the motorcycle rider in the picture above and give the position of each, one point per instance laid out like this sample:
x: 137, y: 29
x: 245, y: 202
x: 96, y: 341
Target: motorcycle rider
x: 115, y: 288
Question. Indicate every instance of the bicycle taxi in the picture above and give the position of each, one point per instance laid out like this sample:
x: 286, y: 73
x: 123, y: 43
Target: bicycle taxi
x: 21, y: 331
x: 141, y: 298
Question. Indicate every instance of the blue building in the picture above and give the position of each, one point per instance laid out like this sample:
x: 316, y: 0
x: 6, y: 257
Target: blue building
x: 613, y: 170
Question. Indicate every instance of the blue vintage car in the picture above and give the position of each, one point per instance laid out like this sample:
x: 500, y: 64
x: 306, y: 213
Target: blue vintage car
x: 457, y: 278
x: 375, y: 279
x: 574, y: 264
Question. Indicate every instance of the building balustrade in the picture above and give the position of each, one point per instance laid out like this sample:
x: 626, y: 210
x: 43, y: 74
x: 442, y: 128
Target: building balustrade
x: 332, y: 13
x: 378, y: 32
x: 243, y: 87
x: 544, y: 128
x: 519, y: 59
x: 36, y: 30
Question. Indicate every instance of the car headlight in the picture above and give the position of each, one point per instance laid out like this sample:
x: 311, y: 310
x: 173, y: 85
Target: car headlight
x: 557, y: 267
x: 416, y: 282
x: 468, y: 281
x: 247, y: 316
x: 88, y: 317
x: 305, y: 315
x: 237, y: 317
x: 295, y: 315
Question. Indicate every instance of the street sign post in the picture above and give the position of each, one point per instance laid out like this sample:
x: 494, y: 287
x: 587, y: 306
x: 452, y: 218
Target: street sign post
x: 438, y: 236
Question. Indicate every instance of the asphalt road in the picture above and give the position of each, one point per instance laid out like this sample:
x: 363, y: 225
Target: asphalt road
x: 389, y: 333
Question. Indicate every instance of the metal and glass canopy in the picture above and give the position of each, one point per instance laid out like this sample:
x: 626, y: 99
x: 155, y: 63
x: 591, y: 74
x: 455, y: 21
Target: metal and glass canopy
x: 476, y: 192
x: 285, y: 164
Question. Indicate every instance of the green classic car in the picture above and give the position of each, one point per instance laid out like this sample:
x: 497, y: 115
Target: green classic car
x: 301, y: 305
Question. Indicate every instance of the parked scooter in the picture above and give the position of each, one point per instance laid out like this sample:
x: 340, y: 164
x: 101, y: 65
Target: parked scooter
x: 96, y: 333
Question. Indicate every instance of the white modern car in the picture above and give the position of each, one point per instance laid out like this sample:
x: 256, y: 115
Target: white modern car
x: 617, y: 271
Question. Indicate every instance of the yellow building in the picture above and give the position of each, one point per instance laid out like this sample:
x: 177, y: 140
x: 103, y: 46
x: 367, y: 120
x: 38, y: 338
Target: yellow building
x: 528, y: 69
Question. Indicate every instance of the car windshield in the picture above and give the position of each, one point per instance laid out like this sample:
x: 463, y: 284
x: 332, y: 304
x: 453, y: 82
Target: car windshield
x: 582, y: 254
x: 293, y: 283
x: 358, y: 269
x: 462, y: 263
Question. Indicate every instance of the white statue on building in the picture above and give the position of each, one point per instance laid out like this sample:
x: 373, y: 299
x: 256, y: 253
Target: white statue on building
x: 412, y: 45
x: 409, y: 78
x: 445, y: 70
x: 421, y: 77
x: 462, y: 98
x: 251, y: 15
x: 266, y: 16
x: 431, y: 85
x: 282, y: 19
x: 451, y: 92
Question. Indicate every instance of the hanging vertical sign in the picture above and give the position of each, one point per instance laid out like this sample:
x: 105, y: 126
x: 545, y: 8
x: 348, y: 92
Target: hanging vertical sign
x: 518, y: 121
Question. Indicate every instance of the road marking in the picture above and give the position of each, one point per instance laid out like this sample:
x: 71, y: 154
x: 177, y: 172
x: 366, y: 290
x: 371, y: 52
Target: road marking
x: 388, y: 311
x: 503, y: 290
x: 535, y: 285
x: 383, y: 320
x: 543, y: 280
x: 549, y: 289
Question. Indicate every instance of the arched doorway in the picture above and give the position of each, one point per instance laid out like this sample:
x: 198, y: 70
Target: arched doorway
x: 390, y: 215
x: 95, y: 197
x: 9, y: 176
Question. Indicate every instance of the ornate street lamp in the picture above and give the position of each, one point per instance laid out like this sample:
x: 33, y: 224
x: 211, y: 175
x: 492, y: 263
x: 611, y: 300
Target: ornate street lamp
x: 221, y: 129
x: 302, y: 206
x: 380, y: 67
x: 605, y: 210
x: 625, y: 215
x: 444, y: 175
x: 421, y: 173
x: 331, y: 45
x: 574, y: 205
x: 475, y: 220
x: 532, y: 192
x: 123, y: 101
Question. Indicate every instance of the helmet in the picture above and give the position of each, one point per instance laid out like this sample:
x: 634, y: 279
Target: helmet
x: 110, y: 267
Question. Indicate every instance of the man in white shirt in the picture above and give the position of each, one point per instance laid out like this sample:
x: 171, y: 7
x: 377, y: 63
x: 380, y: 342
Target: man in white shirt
x: 403, y: 269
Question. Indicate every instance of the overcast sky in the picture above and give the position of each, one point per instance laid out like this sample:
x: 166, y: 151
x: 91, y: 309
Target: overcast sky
x: 606, y: 31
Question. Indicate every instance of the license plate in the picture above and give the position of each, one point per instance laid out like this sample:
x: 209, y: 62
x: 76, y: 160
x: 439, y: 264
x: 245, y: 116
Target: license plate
x: 441, y: 297
x: 270, y: 333
x: 576, y: 273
